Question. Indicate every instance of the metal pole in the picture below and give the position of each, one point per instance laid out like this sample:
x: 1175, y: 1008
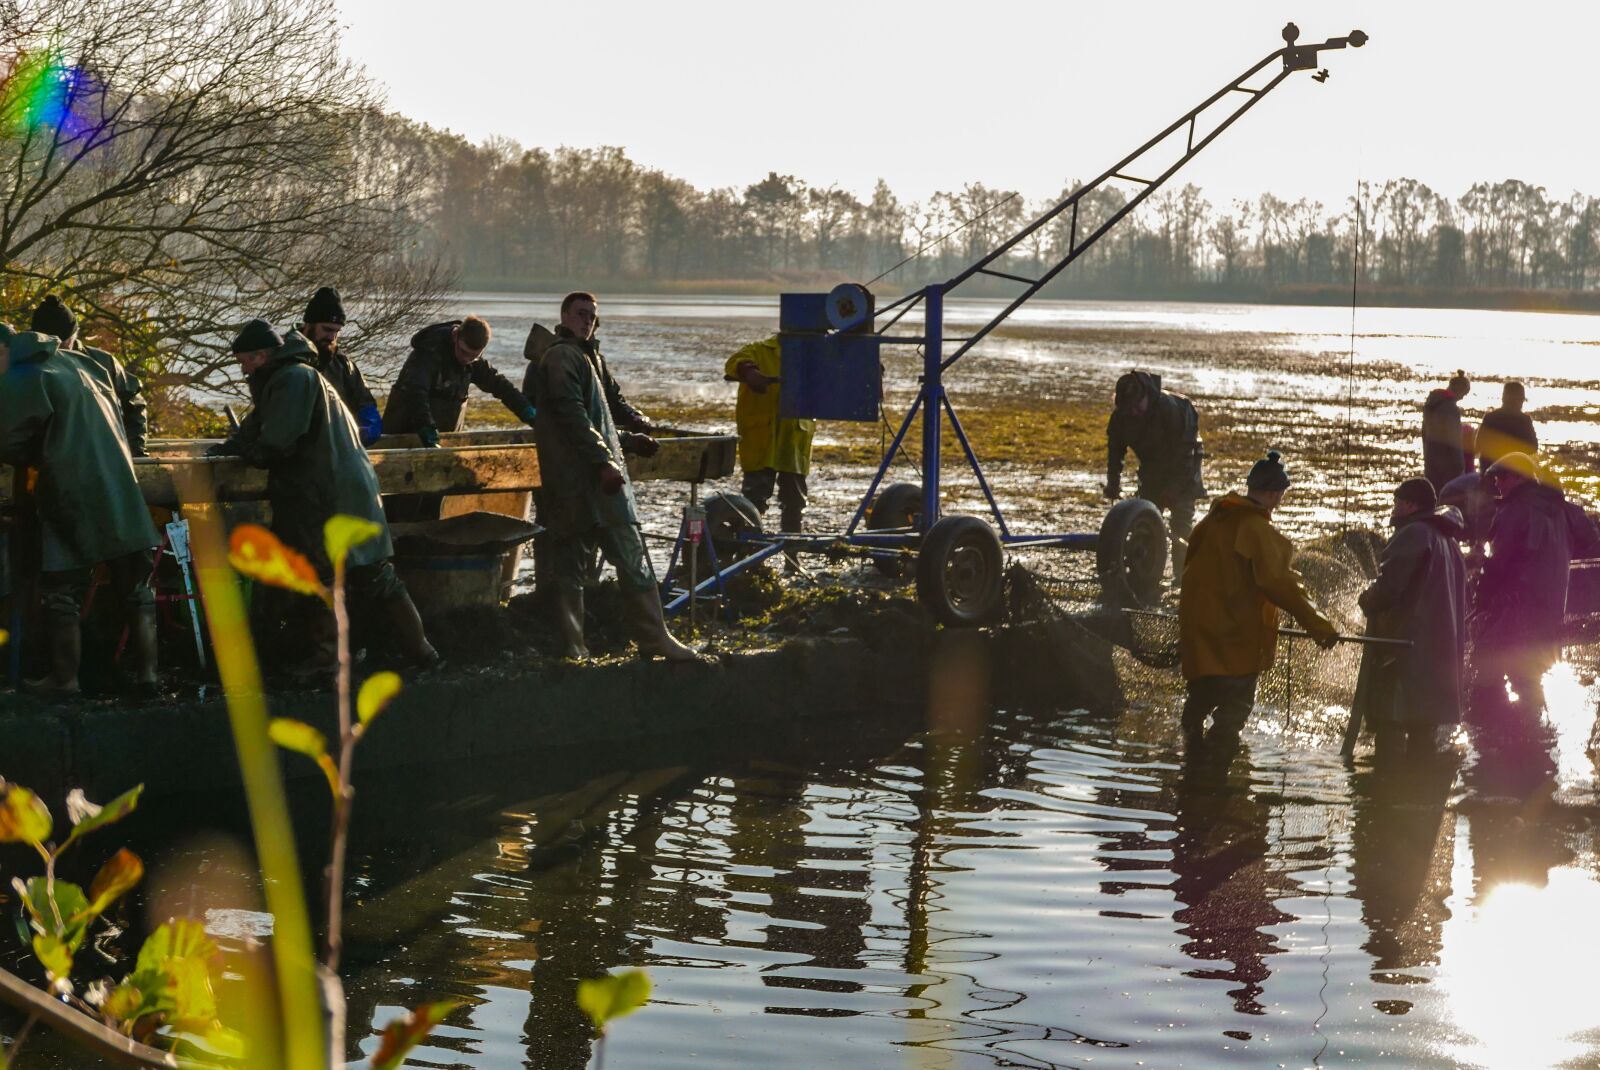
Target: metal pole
x: 932, y: 401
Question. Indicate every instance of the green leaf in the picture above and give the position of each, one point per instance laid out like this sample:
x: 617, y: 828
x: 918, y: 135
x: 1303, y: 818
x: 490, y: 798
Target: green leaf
x: 54, y: 955
x: 24, y: 818
x: 120, y: 873
x: 126, y: 1004
x: 342, y: 532
x: 610, y: 997
x: 403, y: 1034
x: 97, y: 817
x: 174, y: 973
x: 376, y: 693
x: 66, y: 919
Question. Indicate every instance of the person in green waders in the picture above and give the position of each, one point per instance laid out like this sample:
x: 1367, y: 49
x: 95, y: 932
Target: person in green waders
x: 59, y: 415
x: 774, y: 451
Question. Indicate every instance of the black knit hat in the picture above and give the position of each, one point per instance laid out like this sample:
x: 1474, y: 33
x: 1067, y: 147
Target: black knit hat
x: 52, y: 317
x: 1268, y: 474
x: 1417, y: 491
x: 325, y: 307
x: 257, y: 334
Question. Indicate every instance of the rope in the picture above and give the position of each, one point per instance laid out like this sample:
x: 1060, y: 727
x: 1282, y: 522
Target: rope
x: 1350, y: 363
x: 1013, y: 195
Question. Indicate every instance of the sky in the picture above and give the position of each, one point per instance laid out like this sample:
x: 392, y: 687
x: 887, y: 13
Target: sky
x: 1017, y: 94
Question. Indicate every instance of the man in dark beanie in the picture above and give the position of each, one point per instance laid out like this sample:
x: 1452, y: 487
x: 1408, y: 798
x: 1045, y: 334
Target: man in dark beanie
x: 1410, y: 696
x: 305, y: 438
x: 322, y: 323
x: 1163, y: 430
x: 1238, y: 575
x: 58, y: 415
x: 53, y: 317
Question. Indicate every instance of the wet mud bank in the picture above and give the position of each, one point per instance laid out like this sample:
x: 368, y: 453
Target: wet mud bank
x: 179, y: 748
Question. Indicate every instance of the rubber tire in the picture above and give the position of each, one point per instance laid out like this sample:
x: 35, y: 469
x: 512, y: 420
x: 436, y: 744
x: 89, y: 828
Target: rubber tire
x: 977, y: 544
x: 727, y: 516
x: 897, y: 506
x: 1125, y: 586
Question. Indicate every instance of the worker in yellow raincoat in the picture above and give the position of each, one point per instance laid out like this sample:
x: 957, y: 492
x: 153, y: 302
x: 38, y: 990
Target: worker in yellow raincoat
x: 1239, y: 573
x: 774, y: 452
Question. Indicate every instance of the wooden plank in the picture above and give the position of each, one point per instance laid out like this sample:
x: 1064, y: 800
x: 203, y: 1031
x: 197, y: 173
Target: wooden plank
x: 468, y: 462
x: 470, y: 470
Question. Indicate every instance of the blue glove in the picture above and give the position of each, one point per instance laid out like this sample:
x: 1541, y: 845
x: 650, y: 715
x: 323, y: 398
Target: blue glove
x: 429, y: 436
x: 528, y: 414
x: 369, y: 423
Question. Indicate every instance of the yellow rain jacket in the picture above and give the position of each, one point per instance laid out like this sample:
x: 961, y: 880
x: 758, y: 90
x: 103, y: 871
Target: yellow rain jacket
x: 765, y: 439
x: 1239, y: 573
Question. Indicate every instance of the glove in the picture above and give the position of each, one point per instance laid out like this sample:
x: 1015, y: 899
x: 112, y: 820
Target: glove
x: 223, y: 449
x: 369, y: 423
x: 1325, y: 639
x: 610, y: 478
x: 528, y: 414
x: 429, y: 436
x: 1112, y: 489
x: 642, y: 445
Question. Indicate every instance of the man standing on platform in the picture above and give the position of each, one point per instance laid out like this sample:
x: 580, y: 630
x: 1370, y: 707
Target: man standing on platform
x: 1507, y: 429
x: 322, y: 324
x: 430, y: 394
x: 587, y: 499
x: 58, y: 414
x: 774, y: 451
x: 1240, y: 572
x: 302, y: 434
x: 1443, y: 445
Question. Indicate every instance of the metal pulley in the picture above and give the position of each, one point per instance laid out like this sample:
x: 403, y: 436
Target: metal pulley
x: 849, y: 306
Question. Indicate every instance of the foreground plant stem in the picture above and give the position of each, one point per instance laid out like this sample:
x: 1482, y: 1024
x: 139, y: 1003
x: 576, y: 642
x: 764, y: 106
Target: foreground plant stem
x: 334, y: 941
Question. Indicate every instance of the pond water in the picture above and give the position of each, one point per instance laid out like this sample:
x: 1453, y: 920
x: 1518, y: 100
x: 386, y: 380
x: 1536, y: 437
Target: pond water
x: 1012, y: 888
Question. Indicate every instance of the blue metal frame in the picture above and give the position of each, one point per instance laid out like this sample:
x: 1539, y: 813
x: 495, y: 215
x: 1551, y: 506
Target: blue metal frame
x: 933, y: 403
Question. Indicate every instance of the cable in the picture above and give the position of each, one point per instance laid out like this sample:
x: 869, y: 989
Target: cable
x: 1013, y: 195
x: 1350, y: 360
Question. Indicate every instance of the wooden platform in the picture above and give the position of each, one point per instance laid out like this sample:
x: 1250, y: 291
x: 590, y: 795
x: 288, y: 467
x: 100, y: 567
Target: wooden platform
x: 468, y: 462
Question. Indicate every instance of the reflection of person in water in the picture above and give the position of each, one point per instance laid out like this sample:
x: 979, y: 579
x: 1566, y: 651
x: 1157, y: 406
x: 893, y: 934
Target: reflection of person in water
x: 1402, y: 851
x: 1223, y: 880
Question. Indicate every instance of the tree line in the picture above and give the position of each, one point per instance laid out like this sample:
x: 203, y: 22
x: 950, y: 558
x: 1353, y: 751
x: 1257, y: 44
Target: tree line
x: 172, y: 184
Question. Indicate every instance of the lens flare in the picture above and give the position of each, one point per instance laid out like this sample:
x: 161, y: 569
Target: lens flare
x: 41, y: 91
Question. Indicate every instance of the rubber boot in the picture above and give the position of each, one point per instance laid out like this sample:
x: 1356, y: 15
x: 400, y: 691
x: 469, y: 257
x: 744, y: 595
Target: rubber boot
x: 407, y: 624
x: 649, y: 628
x: 1180, y: 553
x: 142, y: 633
x: 794, y: 522
x: 569, y: 618
x: 66, y: 651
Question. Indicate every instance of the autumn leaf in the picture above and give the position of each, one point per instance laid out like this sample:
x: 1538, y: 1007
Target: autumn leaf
x: 612, y: 996
x: 376, y: 693
x: 403, y: 1034
x: 120, y: 873
x: 260, y: 555
x: 342, y: 532
x: 301, y: 738
x: 24, y: 818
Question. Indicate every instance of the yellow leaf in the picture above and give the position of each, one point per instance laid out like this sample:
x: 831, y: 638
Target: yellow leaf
x: 24, y: 818
x: 376, y: 693
x: 298, y: 736
x: 5, y: 637
x: 612, y: 996
x: 341, y: 532
x: 262, y: 556
x: 54, y: 955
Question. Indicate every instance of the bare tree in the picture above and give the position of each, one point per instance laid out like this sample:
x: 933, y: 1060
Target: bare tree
x: 201, y: 162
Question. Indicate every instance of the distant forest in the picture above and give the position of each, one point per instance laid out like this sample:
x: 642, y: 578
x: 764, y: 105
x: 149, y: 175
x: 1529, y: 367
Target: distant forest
x: 503, y: 215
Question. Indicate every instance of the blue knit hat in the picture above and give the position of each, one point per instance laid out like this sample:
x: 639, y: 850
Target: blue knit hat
x: 1268, y: 474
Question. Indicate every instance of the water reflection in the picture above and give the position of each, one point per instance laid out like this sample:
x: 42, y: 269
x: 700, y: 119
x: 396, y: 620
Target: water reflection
x: 1016, y: 888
